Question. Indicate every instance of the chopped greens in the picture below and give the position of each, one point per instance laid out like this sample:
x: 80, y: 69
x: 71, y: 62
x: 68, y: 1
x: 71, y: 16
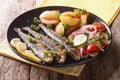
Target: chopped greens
x: 49, y: 26
x: 52, y: 53
x: 109, y: 35
x: 69, y: 42
x: 36, y: 20
x: 94, y: 23
x: 83, y: 11
x: 49, y: 52
x: 64, y: 51
x: 38, y: 37
x: 66, y: 27
x: 46, y: 52
x: 80, y: 24
x: 34, y: 27
x: 61, y: 46
x: 30, y: 39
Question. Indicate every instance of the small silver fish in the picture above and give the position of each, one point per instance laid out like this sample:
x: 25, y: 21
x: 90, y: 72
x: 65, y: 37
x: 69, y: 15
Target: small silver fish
x: 38, y: 49
x: 74, y: 52
x: 60, y: 57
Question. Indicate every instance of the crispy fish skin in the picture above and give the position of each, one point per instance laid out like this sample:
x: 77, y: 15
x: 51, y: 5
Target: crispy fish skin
x: 74, y: 52
x: 37, y: 49
x: 60, y: 57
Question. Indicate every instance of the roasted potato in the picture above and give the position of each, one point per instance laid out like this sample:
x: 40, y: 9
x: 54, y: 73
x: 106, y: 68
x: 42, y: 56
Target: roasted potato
x: 84, y: 19
x: 70, y: 18
x: 50, y: 17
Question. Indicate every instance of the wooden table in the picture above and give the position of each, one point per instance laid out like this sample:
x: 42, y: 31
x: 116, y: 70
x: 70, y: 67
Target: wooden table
x: 104, y: 68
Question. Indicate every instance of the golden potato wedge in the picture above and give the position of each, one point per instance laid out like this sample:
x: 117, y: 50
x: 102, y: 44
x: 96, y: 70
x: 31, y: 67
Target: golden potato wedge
x: 50, y: 17
x: 70, y: 18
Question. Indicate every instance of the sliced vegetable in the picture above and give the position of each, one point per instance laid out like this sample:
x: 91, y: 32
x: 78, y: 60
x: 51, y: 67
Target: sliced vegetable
x: 30, y: 55
x: 49, y: 52
x: 31, y: 39
x: 49, y: 26
x: 89, y: 29
x: 93, y: 48
x: 36, y: 20
x: 83, y: 51
x: 14, y: 42
x: 21, y: 47
x: 68, y: 41
x: 38, y: 37
x: 34, y: 27
x: 64, y: 51
x: 79, y: 39
x: 92, y: 29
x: 61, y: 46
x: 100, y: 26
x: 83, y: 11
x: 66, y: 27
x: 79, y: 31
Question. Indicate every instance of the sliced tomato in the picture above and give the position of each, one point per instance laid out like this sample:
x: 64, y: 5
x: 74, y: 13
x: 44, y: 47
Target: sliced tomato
x: 92, y: 29
x: 100, y: 26
x: 83, y: 51
x: 92, y: 48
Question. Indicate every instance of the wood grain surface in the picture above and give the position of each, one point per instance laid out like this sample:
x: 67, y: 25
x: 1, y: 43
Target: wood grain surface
x: 103, y: 68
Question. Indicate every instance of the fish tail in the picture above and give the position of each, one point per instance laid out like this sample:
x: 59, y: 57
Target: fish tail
x: 25, y: 28
x: 17, y: 29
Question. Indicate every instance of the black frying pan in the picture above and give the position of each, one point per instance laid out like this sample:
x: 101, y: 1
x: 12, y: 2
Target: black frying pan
x: 22, y: 21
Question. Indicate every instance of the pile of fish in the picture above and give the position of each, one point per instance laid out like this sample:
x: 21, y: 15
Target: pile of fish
x: 47, y: 47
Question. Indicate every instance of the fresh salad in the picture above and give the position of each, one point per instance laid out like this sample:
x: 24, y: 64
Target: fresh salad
x: 90, y: 38
x: 64, y: 33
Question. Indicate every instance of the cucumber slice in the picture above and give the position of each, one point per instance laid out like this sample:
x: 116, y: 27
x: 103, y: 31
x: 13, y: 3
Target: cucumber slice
x: 80, y: 39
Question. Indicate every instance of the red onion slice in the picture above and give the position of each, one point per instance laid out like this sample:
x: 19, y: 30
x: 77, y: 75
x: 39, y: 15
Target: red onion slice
x: 87, y: 27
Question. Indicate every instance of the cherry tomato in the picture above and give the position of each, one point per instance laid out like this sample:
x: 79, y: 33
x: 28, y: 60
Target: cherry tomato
x: 100, y: 26
x: 92, y: 48
x: 83, y: 51
x: 92, y: 29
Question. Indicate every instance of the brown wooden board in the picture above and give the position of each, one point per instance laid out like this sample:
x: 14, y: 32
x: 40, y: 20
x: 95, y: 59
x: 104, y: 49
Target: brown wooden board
x: 104, y: 68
